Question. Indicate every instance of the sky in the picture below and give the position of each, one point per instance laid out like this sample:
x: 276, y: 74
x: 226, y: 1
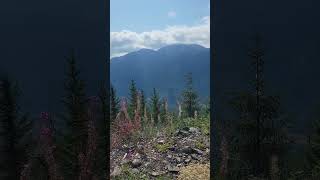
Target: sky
x: 155, y: 23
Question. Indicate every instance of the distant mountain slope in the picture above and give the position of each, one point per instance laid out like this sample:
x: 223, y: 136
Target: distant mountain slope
x: 163, y: 69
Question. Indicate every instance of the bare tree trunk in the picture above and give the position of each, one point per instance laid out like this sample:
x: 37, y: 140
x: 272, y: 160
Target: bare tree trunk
x: 145, y: 113
x: 274, y: 167
x: 180, y: 109
x: 225, y: 158
x: 165, y: 104
x: 152, y: 120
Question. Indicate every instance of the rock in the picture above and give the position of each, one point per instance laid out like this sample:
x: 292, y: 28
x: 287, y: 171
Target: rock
x: 135, y: 170
x: 172, y: 148
x: 169, y: 156
x: 155, y: 174
x: 165, y: 162
x: 194, y: 130
x: 178, y: 159
x: 187, y: 150
x: 186, y: 129
x: 136, y: 163
x: 187, y: 160
x: 194, y: 156
x: 124, y: 161
x: 140, y: 148
x: 198, y: 151
x: 173, y: 169
x: 147, y: 164
x: 116, y: 171
x: 182, y: 133
x: 137, y: 156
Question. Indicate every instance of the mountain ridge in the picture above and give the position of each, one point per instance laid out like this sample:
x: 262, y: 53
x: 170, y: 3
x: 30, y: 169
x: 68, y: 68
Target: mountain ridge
x: 163, y: 69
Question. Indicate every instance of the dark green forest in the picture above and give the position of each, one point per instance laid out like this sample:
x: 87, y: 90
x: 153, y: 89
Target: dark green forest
x: 71, y: 144
x: 257, y: 140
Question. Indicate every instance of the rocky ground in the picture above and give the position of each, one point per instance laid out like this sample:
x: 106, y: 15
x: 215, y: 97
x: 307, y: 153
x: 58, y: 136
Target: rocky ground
x: 161, y: 157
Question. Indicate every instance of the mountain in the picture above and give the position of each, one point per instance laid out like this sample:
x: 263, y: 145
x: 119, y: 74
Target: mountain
x: 163, y: 69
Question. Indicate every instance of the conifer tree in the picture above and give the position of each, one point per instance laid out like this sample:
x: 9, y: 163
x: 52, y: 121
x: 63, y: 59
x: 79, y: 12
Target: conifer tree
x: 190, y: 102
x: 155, y: 105
x: 114, y: 104
x: 143, y: 110
x: 75, y: 102
x: 15, y: 132
x: 314, y: 154
x: 143, y: 102
x: 103, y: 131
x: 132, y: 98
x: 260, y: 128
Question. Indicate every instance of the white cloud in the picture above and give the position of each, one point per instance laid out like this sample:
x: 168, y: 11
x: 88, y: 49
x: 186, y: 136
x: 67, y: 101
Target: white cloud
x: 172, y: 14
x: 126, y: 41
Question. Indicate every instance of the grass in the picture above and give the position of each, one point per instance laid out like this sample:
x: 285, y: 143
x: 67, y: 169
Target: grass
x: 163, y: 147
x: 195, y: 171
x: 200, y: 145
x: 127, y: 174
x: 202, y: 122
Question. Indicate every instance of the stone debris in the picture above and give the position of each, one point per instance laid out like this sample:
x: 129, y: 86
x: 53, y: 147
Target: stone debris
x: 143, y: 157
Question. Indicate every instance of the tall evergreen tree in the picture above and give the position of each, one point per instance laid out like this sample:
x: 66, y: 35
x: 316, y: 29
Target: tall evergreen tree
x: 261, y: 128
x: 314, y: 154
x: 75, y: 102
x: 257, y: 55
x: 190, y: 102
x: 103, y: 134
x: 155, y: 103
x: 143, y: 111
x: 132, y: 98
x: 15, y: 132
x: 114, y: 104
x: 143, y: 102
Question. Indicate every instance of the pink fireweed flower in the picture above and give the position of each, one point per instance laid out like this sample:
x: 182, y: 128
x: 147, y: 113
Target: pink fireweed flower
x: 45, y: 131
x: 47, y: 146
x: 44, y: 116
x: 86, y: 158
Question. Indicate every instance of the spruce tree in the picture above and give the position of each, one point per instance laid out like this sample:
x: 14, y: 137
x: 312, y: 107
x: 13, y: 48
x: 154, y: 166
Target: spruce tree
x: 260, y: 129
x: 15, y: 132
x: 132, y: 98
x: 143, y: 102
x: 103, y: 135
x: 143, y: 108
x: 155, y: 103
x: 75, y: 103
x: 190, y: 102
x: 114, y: 104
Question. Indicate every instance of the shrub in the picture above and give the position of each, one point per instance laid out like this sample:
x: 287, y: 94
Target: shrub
x: 124, y: 128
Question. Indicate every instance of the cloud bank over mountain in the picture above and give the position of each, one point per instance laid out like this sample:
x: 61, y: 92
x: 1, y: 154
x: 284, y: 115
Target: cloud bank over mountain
x: 126, y: 41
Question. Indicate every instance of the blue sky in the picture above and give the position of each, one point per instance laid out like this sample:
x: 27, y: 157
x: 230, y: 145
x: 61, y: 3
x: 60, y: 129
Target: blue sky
x: 137, y: 24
